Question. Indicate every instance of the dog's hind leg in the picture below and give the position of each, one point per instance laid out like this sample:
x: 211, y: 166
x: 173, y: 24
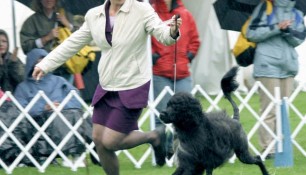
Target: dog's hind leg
x: 261, y: 166
x: 247, y: 158
x: 243, y: 154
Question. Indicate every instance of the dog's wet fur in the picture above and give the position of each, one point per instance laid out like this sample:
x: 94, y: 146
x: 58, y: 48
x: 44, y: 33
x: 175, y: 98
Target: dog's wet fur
x: 208, y: 140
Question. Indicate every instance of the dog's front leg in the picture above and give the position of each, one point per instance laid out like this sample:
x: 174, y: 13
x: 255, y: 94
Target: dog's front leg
x: 209, y: 171
x: 184, y: 171
x: 178, y: 171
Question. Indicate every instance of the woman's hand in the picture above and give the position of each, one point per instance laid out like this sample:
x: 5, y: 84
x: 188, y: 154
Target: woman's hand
x: 48, y: 107
x: 53, y: 33
x: 50, y: 36
x: 285, y: 24
x: 175, y: 25
x: 14, y: 55
x: 37, y: 73
x: 62, y: 18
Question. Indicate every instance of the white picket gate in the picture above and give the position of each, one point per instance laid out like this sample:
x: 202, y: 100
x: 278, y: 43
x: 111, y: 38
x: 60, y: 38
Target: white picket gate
x: 147, y: 115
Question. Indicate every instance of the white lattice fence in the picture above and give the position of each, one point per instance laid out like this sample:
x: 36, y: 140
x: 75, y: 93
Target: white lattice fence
x: 41, y: 131
x: 148, y: 115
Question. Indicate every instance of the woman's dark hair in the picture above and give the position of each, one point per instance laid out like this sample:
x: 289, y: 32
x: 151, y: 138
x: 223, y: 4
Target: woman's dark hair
x: 38, y: 7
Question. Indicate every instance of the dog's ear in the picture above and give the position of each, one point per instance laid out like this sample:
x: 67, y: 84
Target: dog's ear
x: 193, y: 114
x: 186, y: 109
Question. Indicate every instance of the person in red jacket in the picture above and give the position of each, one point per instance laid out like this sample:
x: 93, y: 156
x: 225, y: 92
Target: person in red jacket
x: 164, y: 73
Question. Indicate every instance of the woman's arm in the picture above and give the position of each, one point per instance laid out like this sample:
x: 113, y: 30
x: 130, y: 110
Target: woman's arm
x: 259, y: 28
x: 160, y: 30
x: 194, y: 41
x: 295, y: 34
x: 66, y: 50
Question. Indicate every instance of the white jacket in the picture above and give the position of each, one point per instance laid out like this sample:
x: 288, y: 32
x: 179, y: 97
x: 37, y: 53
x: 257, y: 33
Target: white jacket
x: 125, y: 64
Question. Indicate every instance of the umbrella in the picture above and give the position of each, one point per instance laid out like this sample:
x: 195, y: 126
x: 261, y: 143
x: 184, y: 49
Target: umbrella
x: 12, y: 16
x: 80, y: 7
x: 300, y: 4
x: 232, y: 14
x: 76, y: 7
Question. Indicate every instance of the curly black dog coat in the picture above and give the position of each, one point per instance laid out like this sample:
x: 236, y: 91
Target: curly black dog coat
x: 207, y: 140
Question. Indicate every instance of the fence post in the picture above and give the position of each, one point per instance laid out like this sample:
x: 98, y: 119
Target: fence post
x: 284, y: 158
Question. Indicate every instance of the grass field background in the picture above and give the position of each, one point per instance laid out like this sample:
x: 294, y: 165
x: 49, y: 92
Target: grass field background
x: 237, y: 168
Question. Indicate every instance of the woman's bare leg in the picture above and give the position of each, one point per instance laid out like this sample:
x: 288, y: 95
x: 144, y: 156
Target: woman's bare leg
x: 109, y: 160
x: 108, y: 141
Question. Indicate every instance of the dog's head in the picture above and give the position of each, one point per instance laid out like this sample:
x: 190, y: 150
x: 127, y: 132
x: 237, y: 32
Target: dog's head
x: 183, y: 110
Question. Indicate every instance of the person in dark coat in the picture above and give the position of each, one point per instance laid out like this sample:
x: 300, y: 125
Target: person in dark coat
x: 8, y: 114
x: 11, y: 68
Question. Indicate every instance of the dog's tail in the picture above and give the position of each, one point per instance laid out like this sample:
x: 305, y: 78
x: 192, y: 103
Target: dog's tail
x: 229, y: 85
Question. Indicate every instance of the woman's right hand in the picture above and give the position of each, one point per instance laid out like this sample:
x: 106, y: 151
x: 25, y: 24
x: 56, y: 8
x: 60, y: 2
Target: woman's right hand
x: 284, y: 24
x: 50, y: 36
x: 62, y: 18
x: 37, y: 73
x: 53, y: 33
x: 48, y: 107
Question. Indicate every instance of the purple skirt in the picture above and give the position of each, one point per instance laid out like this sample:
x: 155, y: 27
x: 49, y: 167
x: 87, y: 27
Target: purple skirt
x: 110, y: 112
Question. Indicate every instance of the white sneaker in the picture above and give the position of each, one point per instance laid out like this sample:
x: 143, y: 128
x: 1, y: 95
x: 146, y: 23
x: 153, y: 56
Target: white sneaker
x: 79, y: 164
x: 21, y: 165
x: 66, y: 163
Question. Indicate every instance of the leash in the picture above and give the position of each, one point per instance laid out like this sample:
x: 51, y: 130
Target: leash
x: 175, y: 53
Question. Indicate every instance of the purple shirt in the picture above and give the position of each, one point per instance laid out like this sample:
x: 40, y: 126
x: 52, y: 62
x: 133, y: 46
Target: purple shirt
x: 108, y: 27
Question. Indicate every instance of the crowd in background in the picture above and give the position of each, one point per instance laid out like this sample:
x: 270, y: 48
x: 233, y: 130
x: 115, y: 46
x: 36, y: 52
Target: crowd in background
x: 170, y: 66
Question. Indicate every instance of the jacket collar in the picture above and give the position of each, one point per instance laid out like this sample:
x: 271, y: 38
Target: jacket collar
x: 125, y: 7
x: 287, y: 4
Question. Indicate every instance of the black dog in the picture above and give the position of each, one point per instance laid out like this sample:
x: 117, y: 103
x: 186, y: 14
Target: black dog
x: 207, y: 140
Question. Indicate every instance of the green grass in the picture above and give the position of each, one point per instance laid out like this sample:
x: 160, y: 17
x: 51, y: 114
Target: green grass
x: 127, y: 168
x: 237, y: 168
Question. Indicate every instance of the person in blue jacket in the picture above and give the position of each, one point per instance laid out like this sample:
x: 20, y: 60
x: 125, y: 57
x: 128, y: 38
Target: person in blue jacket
x: 276, y: 60
x: 56, y: 89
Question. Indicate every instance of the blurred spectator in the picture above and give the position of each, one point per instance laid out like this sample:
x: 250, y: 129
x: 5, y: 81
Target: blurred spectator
x: 9, y: 149
x: 11, y: 68
x: 276, y: 60
x: 164, y: 73
x: 56, y: 89
x: 1, y: 93
x: 11, y: 74
x: 78, y: 21
x: 41, y: 29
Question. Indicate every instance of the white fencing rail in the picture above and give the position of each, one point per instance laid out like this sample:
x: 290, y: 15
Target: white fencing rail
x: 147, y: 115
